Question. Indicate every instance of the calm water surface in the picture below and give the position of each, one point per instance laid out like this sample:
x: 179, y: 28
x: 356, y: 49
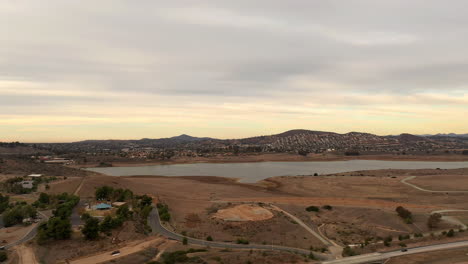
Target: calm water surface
x: 256, y: 171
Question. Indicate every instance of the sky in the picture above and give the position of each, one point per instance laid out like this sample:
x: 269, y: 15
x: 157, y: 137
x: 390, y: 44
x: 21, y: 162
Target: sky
x: 112, y: 69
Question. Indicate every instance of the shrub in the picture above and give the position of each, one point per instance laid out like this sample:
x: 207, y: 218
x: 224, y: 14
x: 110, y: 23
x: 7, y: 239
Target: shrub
x: 327, y: 207
x: 184, y: 241
x: 209, y: 238
x: 312, y: 209
x: 3, y: 256
x: 434, y: 220
x: 347, y: 251
x: 450, y: 233
x: 242, y: 241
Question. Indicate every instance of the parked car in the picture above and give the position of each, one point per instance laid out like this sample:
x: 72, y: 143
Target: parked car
x: 115, y: 253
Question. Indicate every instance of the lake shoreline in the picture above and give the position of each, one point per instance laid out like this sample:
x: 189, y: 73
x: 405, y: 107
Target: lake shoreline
x: 279, y: 158
x: 254, y: 172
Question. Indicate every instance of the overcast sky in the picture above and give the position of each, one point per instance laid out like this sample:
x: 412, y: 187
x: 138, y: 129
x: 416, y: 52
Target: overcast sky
x: 72, y: 70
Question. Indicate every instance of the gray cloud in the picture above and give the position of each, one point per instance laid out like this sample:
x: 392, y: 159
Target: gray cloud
x: 216, y: 51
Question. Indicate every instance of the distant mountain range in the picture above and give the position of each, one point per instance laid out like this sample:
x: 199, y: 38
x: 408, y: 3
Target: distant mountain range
x: 289, y: 141
x: 448, y: 135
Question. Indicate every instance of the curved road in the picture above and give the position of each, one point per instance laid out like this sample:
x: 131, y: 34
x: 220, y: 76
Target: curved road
x: 30, y: 235
x: 157, y: 227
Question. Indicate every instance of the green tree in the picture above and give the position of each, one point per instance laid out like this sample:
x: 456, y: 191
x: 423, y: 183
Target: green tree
x: 104, y: 193
x: 123, y: 212
x: 106, y: 224
x: 44, y: 198
x: 55, y: 228
x: 91, y: 229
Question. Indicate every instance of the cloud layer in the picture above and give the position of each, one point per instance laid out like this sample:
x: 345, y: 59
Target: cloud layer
x: 73, y: 70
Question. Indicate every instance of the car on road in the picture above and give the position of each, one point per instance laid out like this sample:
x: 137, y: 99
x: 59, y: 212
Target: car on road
x: 115, y: 253
x: 404, y: 250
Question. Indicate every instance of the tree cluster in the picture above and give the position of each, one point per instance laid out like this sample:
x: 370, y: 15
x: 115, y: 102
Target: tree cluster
x: 111, y: 194
x: 163, y: 211
x: 13, y: 185
x: 59, y: 226
x: 17, y: 213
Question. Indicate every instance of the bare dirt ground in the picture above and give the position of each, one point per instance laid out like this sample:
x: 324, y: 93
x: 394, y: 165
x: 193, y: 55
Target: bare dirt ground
x: 442, y: 183
x: 26, y: 255
x: 368, y: 191
x: 69, y: 185
x: 131, y: 248
x: 190, y: 200
x: 54, y: 252
x: 363, y: 206
x: 243, y: 212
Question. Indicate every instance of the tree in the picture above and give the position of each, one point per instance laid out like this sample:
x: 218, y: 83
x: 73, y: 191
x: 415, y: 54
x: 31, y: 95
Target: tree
x: 145, y: 200
x: 91, y: 229
x: 184, y: 241
x: 55, y: 228
x: 209, y: 238
x: 123, y: 212
x: 434, y: 220
x: 106, y: 224
x: 85, y: 216
x: 44, y: 198
x: 104, y: 192
x: 405, y: 214
x: 4, y: 202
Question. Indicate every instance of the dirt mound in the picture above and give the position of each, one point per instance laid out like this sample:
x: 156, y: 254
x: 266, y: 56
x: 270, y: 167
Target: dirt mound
x: 244, y: 212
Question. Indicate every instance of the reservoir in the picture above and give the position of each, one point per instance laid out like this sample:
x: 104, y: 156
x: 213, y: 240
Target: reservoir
x: 255, y: 171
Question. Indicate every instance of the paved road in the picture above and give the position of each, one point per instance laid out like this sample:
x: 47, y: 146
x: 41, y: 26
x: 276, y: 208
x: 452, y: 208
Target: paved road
x: 404, y: 181
x: 382, y: 256
x: 30, y: 235
x: 158, y: 228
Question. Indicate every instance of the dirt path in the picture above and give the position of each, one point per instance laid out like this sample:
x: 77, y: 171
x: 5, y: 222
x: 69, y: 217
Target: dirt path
x: 334, y: 248
x: 405, y: 181
x: 124, y: 251
x: 26, y: 255
x: 79, y: 186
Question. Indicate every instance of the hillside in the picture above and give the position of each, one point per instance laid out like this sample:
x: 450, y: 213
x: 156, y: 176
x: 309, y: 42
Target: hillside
x: 289, y: 141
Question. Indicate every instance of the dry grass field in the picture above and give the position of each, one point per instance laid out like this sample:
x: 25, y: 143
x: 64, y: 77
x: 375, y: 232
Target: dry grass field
x: 363, y: 207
